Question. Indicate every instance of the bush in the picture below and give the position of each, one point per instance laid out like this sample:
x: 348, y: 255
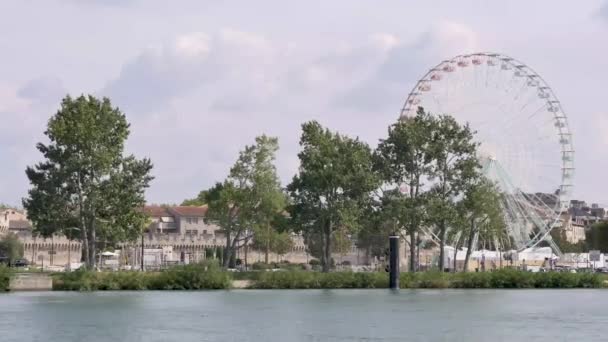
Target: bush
x: 317, y: 280
x: 258, y: 266
x: 190, y: 277
x: 5, y: 277
x: 314, y: 262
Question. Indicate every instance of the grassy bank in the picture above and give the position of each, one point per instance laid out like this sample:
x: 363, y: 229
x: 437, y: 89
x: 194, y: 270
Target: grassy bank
x: 5, y: 274
x: 426, y: 280
x: 191, y: 277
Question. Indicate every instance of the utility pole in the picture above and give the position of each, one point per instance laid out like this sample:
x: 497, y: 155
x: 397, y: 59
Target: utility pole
x: 394, y: 261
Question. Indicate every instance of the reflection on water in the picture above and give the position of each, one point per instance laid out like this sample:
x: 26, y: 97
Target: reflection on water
x: 331, y: 315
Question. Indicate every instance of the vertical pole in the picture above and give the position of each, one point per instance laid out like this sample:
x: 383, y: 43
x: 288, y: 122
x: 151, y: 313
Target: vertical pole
x: 142, y: 251
x: 394, y: 261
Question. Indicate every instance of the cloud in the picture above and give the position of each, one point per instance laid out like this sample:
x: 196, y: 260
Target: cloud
x: 405, y: 63
x: 43, y: 90
x: 603, y: 11
x: 119, y: 3
x: 163, y: 73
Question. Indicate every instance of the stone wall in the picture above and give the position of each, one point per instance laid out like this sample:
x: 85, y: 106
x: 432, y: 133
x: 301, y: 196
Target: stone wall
x: 55, y: 251
x: 31, y: 282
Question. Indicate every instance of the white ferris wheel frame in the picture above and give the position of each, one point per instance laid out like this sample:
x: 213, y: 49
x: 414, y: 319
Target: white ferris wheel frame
x: 553, y: 106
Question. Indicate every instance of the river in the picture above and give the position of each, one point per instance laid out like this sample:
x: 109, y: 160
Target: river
x: 306, y: 315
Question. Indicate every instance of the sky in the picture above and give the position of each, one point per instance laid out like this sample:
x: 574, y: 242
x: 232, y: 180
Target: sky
x: 200, y: 79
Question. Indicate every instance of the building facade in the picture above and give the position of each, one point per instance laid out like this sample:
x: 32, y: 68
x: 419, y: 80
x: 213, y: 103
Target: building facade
x: 56, y: 251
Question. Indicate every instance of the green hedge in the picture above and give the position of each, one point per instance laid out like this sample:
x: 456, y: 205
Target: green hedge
x: 317, y: 280
x: 5, y: 277
x: 190, y: 277
x: 503, y: 279
x: 426, y: 280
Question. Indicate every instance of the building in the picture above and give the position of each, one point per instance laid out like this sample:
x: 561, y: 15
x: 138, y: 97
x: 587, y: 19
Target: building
x: 184, y: 231
x: 53, y: 251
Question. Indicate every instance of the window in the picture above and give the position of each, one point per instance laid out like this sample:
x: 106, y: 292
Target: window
x: 205, y: 232
x: 191, y: 232
x: 192, y: 220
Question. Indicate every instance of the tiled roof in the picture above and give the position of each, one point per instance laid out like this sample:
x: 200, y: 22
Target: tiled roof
x: 189, y: 210
x: 156, y: 211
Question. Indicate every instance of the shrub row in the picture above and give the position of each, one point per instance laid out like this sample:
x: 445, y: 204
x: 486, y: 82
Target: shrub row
x: 317, y: 280
x: 502, y: 279
x: 429, y: 280
x: 5, y: 276
x: 190, y: 277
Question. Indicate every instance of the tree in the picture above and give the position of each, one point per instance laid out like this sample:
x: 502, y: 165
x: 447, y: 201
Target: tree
x: 559, y: 236
x: 404, y: 159
x: 198, y: 201
x: 85, y: 181
x: 455, y: 164
x: 269, y: 237
x: 282, y: 243
x: 597, y: 237
x: 250, y: 197
x: 333, y: 183
x: 11, y: 248
x: 480, y: 214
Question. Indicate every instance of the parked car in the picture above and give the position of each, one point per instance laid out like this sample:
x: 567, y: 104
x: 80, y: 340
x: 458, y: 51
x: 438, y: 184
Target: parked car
x: 21, y: 263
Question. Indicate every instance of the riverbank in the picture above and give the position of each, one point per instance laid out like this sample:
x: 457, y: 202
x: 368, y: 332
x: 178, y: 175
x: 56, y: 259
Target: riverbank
x: 200, y: 277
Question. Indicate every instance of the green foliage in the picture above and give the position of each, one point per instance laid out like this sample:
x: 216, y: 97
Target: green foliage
x: 250, y: 197
x: 332, y: 186
x: 85, y: 181
x: 405, y: 159
x: 317, y: 280
x: 508, y: 279
x: 5, y: 277
x: 189, y: 277
x: 314, y: 262
x: 11, y: 247
x: 559, y: 237
x: 199, y: 200
x: 597, y: 237
x: 428, y: 280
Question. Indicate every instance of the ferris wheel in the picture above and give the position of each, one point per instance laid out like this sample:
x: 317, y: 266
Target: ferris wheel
x: 525, y: 141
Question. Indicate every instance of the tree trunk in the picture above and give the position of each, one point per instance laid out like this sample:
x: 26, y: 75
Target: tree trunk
x: 327, y: 248
x: 441, y: 246
x: 469, y: 247
x: 412, y: 251
x: 267, y: 254
x: 456, y: 247
x: 84, y: 257
x: 92, y: 246
x: 227, y: 253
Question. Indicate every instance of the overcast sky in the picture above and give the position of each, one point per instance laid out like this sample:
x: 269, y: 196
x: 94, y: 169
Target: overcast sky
x: 200, y: 79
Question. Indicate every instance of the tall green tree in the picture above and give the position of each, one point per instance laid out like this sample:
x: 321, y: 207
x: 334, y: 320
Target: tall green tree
x: 454, y: 165
x: 11, y: 248
x: 85, y: 181
x: 405, y: 159
x: 480, y: 215
x: 332, y: 185
x: 250, y: 197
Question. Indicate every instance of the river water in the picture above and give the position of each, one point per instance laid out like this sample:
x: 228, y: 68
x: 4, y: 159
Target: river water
x: 306, y: 315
